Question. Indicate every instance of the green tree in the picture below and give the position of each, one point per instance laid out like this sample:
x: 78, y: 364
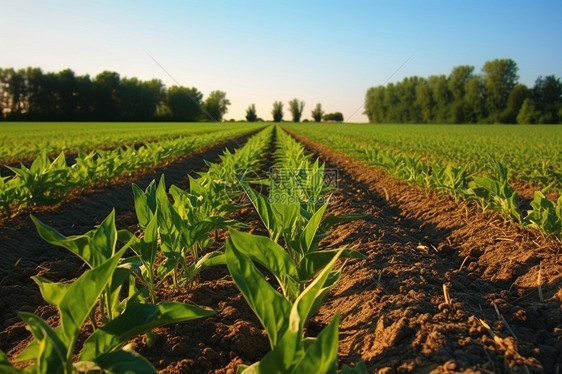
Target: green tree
x: 527, y: 113
x: 547, y: 96
x: 296, y: 107
x: 474, y: 98
x: 317, y: 113
x: 500, y: 77
x: 375, y: 107
x: 514, y: 102
x: 106, y: 85
x: 251, y: 114
x: 277, y: 111
x: 442, y: 97
x: 333, y: 117
x: 457, y: 87
x: 216, y: 105
x: 183, y: 103
x: 425, y: 102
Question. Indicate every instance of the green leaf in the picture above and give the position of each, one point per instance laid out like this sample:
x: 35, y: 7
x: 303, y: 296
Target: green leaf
x: 6, y: 367
x: 105, y: 237
x: 330, y: 221
x: 52, y: 353
x: 94, y: 247
x: 307, y: 298
x: 322, y: 356
x: 314, y: 261
x: 311, y: 228
x: 270, y: 307
x: 267, y: 253
x: 137, y: 319
x: 52, y: 292
x: 82, y: 295
x: 122, y: 362
x: 145, y: 202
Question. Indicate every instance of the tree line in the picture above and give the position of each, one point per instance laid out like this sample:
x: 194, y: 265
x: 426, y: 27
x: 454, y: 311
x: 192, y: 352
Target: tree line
x: 296, y: 108
x: 31, y: 94
x: 494, y: 96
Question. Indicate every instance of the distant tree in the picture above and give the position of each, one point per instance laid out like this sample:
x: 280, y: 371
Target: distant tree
x: 296, y: 107
x: 375, y: 107
x: 457, y: 87
x: 251, y: 114
x: 474, y: 98
x: 514, y: 102
x: 547, y: 97
x: 500, y: 77
x: 528, y: 114
x: 138, y: 100
x: 277, y: 111
x: 441, y: 96
x: 317, y: 113
x: 106, y: 84
x: 336, y: 117
x: 216, y: 105
x: 424, y: 101
x: 183, y: 104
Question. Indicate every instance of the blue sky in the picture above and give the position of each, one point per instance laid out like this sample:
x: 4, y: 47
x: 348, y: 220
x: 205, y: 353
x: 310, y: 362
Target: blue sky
x: 327, y: 52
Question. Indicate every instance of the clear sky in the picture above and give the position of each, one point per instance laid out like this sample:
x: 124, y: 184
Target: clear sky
x: 327, y: 52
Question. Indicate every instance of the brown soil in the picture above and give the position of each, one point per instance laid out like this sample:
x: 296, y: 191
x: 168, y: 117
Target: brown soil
x: 393, y: 311
x: 394, y: 314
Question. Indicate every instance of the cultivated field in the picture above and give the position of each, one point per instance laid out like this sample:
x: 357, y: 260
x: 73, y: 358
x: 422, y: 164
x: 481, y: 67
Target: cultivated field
x: 296, y: 248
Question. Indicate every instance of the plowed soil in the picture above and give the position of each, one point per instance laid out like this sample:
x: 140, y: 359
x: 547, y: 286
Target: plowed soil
x: 503, y: 285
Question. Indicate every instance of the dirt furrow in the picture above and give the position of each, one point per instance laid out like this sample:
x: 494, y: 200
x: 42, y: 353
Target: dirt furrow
x: 394, y: 312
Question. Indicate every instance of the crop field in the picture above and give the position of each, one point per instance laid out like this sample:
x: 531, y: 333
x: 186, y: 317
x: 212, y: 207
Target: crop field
x: 26, y: 140
x: 531, y: 153
x: 280, y: 248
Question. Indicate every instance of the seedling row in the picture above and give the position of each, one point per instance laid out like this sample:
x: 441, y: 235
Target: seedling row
x: 117, y: 295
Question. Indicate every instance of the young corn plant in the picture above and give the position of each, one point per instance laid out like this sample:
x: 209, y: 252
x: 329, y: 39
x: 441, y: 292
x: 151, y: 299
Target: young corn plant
x: 546, y: 215
x: 52, y: 350
x: 284, y: 320
x: 94, y: 248
x: 448, y: 179
x: 44, y: 182
x: 495, y: 193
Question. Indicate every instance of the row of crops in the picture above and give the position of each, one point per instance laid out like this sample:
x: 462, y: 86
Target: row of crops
x: 532, y: 153
x: 47, y: 182
x: 118, y: 295
x: 28, y: 140
x: 462, y: 180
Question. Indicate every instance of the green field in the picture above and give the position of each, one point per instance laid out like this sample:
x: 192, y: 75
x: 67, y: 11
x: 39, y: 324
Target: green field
x: 532, y: 153
x: 25, y: 140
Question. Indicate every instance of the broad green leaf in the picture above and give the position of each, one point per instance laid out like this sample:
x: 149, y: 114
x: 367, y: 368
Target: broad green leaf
x: 52, y: 292
x: 330, y: 221
x: 137, y: 319
x: 306, y: 299
x: 267, y: 253
x: 311, y: 228
x: 94, y: 247
x: 6, y: 367
x: 52, y: 353
x: 270, y: 307
x: 123, y: 362
x: 145, y: 202
x: 314, y: 261
x: 82, y: 295
x: 105, y: 237
x: 264, y: 211
x: 322, y: 356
